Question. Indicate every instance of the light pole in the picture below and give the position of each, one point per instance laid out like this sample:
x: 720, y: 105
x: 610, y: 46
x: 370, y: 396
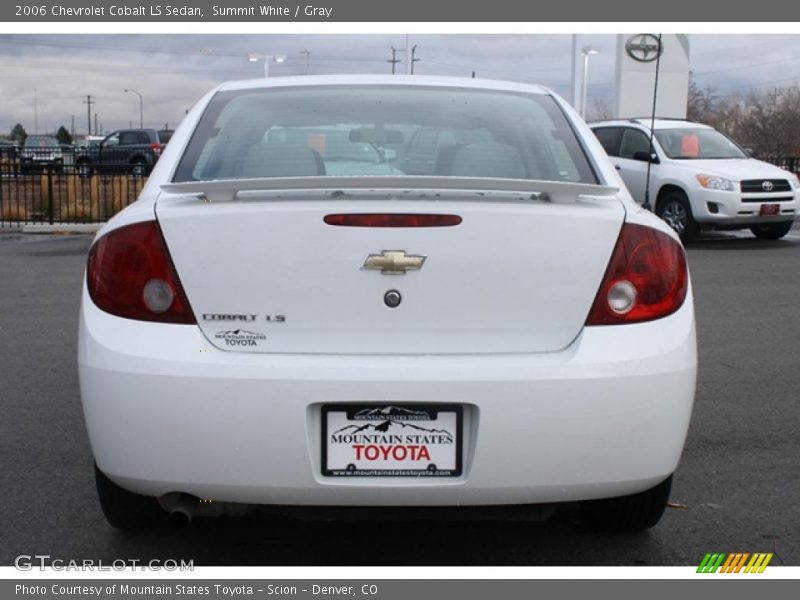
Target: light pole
x: 141, y: 106
x: 586, y: 53
x: 267, y: 58
x: 409, y: 62
x: 308, y: 60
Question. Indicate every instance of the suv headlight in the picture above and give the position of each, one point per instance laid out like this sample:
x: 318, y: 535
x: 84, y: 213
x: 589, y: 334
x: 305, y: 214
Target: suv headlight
x: 715, y: 182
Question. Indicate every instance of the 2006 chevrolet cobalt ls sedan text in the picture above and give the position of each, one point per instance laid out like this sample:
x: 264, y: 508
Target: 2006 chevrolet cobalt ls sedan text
x: 383, y: 292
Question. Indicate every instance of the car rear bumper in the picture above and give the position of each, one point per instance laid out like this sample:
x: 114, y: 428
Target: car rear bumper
x: 168, y: 412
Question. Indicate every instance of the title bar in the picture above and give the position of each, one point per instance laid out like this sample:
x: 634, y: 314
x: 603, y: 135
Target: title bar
x: 496, y: 11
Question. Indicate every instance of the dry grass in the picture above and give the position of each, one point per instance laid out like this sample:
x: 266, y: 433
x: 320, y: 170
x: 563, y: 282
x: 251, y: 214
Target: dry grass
x: 13, y: 213
x: 81, y: 213
x: 75, y: 200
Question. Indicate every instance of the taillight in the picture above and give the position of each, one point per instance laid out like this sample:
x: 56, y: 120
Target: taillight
x: 156, y: 148
x: 130, y: 274
x: 646, y: 279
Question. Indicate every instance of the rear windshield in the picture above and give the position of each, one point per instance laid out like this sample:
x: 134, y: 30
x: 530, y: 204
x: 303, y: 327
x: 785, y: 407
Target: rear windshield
x: 389, y: 131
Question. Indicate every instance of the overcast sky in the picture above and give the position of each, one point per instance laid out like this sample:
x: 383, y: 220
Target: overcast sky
x: 173, y: 71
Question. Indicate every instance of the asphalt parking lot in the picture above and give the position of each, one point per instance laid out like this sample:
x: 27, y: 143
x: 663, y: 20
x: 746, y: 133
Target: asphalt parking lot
x: 736, y: 488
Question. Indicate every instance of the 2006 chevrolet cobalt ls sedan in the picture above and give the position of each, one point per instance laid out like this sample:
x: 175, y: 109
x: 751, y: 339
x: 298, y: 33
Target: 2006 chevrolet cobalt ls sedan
x: 384, y: 292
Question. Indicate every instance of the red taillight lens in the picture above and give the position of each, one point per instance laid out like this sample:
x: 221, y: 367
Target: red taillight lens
x: 392, y: 220
x: 646, y: 279
x: 156, y: 148
x: 130, y: 274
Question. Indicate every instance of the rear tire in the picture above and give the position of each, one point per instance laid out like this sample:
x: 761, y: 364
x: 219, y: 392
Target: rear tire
x: 675, y: 210
x: 84, y: 169
x: 772, y: 231
x: 125, y: 510
x: 628, y: 513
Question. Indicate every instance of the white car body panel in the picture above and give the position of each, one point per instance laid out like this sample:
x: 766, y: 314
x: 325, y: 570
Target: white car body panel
x: 553, y: 411
x: 483, y: 287
x: 605, y: 417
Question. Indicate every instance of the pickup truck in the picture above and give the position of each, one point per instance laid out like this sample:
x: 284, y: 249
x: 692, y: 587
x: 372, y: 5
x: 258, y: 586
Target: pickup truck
x: 133, y: 151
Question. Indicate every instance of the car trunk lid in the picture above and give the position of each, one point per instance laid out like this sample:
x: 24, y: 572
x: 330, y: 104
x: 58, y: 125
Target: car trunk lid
x: 265, y: 273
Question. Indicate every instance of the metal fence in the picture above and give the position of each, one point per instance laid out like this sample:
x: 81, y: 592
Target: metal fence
x: 790, y: 163
x: 51, y: 187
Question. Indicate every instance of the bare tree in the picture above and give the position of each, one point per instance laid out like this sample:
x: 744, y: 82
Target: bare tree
x: 599, y: 110
x: 771, y: 122
x: 706, y: 105
x: 728, y: 115
x: 767, y: 121
x: 701, y: 103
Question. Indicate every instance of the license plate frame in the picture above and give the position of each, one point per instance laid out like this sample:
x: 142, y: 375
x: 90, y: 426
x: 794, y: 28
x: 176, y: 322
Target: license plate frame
x: 412, y: 420
x: 769, y: 210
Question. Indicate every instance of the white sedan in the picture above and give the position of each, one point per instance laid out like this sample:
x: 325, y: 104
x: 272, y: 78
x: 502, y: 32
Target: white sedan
x: 287, y: 316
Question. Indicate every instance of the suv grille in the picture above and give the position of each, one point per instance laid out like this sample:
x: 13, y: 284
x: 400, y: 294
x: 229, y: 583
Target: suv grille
x: 760, y: 186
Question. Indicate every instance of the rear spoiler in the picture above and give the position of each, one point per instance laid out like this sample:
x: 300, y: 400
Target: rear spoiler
x: 411, y: 187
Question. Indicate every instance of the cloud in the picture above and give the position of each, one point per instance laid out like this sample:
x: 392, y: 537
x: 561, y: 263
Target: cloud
x: 47, y: 77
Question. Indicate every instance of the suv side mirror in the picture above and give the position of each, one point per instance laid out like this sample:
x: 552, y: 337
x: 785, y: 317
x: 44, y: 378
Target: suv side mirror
x: 645, y: 156
x: 750, y: 152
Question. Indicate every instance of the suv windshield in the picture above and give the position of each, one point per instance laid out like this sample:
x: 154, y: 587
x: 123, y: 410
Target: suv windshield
x: 41, y: 141
x: 383, y: 130
x: 695, y: 143
x: 333, y: 144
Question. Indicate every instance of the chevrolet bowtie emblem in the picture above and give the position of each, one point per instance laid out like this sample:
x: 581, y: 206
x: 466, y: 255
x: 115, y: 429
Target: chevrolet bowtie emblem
x: 394, y: 262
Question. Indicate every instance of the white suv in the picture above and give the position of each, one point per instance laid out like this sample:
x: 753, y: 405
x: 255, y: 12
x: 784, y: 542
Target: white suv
x: 699, y: 178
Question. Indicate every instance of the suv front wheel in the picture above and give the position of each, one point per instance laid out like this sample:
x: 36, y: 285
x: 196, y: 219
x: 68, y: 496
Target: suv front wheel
x: 675, y: 210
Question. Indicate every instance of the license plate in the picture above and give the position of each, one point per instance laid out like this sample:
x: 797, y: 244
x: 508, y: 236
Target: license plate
x: 769, y: 209
x: 391, y: 440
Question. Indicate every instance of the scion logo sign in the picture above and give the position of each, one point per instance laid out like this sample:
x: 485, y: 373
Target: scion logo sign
x: 392, y: 441
x: 644, y: 47
x: 240, y: 337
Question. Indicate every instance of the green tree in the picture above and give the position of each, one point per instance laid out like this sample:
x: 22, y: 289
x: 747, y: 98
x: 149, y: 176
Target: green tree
x: 63, y: 136
x: 18, y: 133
